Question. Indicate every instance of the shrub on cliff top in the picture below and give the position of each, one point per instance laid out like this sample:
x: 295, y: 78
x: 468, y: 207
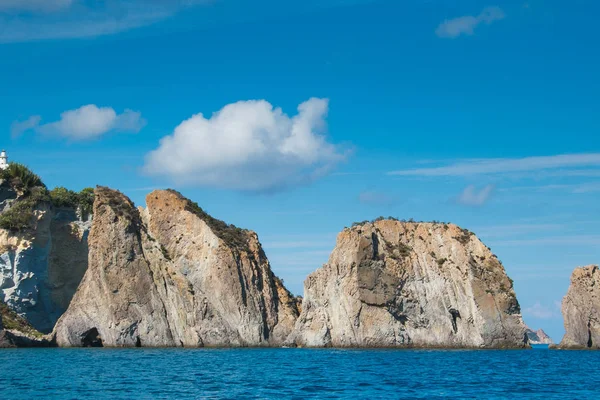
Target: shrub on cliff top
x: 19, y: 216
x: 410, y: 220
x: 21, y: 213
x: 21, y: 177
x: 84, y: 200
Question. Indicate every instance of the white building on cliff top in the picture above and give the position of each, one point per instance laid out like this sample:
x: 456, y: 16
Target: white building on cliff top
x: 3, y: 160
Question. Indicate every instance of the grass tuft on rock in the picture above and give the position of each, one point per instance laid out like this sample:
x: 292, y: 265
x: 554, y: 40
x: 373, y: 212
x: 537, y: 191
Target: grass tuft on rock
x: 11, y: 320
x: 230, y: 234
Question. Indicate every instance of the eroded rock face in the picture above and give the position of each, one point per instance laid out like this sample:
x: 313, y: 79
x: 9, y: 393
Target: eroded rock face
x: 171, y: 275
x: 581, y: 310
x: 40, y: 268
x: 391, y: 283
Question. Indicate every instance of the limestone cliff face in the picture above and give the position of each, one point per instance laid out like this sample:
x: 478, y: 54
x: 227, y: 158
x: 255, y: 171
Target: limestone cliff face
x: 391, y: 283
x: 41, y: 267
x: 581, y: 310
x: 171, y: 275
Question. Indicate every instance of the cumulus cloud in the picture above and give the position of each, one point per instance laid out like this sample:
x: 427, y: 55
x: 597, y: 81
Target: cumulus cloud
x: 26, y: 20
x: 86, y: 122
x: 453, y: 28
x: 472, y: 197
x: 248, y: 145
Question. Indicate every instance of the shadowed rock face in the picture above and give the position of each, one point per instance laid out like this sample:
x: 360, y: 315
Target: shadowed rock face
x: 15, y: 331
x: 391, y: 283
x: 581, y: 310
x: 41, y: 267
x: 171, y: 275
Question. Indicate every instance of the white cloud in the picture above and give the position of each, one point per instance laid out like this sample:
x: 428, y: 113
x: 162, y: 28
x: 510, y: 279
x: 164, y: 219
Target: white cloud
x: 498, y: 231
x: 506, y: 165
x: 86, y: 122
x: 248, y: 145
x: 591, y: 187
x: 471, y: 197
x: 540, y: 311
x: 35, y: 6
x: 452, y: 28
x: 572, y: 240
x: 27, y: 20
x: 376, y: 198
x: 19, y: 127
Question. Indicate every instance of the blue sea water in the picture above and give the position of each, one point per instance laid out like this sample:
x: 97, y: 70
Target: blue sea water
x: 298, y: 373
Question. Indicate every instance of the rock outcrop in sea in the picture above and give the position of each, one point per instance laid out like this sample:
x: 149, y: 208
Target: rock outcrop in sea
x: 91, y: 269
x: 396, y: 284
x: 171, y: 275
x: 538, y: 337
x: 581, y: 310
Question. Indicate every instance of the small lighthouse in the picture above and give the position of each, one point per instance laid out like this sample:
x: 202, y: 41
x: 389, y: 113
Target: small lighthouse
x: 3, y: 160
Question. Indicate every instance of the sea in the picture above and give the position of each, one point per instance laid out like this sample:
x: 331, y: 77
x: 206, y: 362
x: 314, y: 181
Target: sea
x: 99, y: 373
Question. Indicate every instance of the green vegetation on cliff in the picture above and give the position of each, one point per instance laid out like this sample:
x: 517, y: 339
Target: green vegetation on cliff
x: 11, y: 320
x: 32, y: 191
x: 21, y: 177
x: 84, y: 200
x: 19, y: 216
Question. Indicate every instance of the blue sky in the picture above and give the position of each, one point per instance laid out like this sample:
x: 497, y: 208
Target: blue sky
x: 485, y: 114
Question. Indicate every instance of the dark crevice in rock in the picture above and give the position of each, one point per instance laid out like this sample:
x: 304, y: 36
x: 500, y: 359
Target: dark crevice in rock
x: 375, y: 241
x: 589, y: 342
x: 455, y: 314
x: 91, y: 338
x: 238, y: 262
x: 138, y: 342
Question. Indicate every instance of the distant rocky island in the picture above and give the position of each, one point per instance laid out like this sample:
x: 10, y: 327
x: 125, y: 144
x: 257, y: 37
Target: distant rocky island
x: 538, y: 337
x: 90, y: 269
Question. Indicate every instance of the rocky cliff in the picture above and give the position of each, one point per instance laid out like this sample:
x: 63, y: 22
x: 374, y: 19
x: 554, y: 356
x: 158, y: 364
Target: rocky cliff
x: 581, y: 310
x: 171, y: 275
x: 391, y: 283
x: 43, y: 254
x: 538, y: 337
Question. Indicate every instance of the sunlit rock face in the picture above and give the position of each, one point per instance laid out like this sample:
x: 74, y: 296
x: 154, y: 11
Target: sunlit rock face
x: 402, y: 284
x: 581, y: 310
x: 171, y: 275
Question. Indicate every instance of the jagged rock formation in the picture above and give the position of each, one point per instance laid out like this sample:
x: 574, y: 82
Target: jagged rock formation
x: 41, y: 266
x: 391, y: 283
x: 581, y: 310
x: 171, y: 275
x: 538, y: 337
